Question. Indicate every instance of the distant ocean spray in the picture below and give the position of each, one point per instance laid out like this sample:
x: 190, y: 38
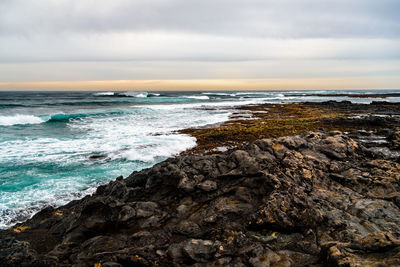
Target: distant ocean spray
x: 59, y: 146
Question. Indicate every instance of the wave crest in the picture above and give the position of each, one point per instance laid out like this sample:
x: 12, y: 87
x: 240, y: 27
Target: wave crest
x: 137, y: 94
x: 66, y: 117
x: 199, y: 97
x: 19, y: 119
x: 126, y: 94
x: 104, y: 94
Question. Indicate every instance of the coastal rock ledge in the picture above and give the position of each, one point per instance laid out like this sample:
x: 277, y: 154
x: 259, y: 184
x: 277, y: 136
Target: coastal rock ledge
x: 319, y: 199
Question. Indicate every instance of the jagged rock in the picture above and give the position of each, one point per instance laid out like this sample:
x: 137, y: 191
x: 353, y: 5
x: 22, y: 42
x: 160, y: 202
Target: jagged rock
x: 188, y: 228
x: 111, y: 264
x: 16, y: 252
x: 395, y: 138
x: 264, y: 257
x: 318, y: 199
x: 196, y: 250
x: 126, y: 213
x: 207, y: 185
x: 146, y: 209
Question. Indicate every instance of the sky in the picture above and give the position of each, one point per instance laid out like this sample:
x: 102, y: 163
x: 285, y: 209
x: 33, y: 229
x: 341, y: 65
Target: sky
x: 208, y: 44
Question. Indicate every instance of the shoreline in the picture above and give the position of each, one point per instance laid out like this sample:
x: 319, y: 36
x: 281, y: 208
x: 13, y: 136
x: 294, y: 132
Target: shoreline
x: 278, y: 120
x: 353, y: 95
x: 190, y: 206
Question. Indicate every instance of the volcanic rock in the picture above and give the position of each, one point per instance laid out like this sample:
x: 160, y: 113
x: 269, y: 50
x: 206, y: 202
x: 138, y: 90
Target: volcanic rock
x: 318, y: 199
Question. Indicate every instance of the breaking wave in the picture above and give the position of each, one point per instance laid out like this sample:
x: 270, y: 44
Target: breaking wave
x: 19, y: 119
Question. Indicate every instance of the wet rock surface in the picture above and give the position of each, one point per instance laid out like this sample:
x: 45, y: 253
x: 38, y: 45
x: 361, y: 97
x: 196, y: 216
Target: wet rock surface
x: 319, y: 199
x: 322, y: 198
x: 278, y: 120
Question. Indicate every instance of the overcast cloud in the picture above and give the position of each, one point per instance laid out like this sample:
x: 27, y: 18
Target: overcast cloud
x: 185, y: 39
x: 254, y: 18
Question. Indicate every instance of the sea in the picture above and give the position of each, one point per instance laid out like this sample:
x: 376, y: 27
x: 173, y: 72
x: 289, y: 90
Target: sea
x: 59, y: 146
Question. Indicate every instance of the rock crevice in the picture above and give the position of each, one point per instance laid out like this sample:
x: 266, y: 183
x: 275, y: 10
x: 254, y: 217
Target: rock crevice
x: 321, y: 198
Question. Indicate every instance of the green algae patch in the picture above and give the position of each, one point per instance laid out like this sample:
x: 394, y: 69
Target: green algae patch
x: 268, y: 121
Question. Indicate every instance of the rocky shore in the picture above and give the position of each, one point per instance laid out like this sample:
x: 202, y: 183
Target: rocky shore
x: 277, y: 120
x: 353, y: 95
x: 320, y: 198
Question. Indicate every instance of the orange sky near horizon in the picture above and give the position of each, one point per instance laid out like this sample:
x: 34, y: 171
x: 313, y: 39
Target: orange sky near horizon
x: 212, y: 84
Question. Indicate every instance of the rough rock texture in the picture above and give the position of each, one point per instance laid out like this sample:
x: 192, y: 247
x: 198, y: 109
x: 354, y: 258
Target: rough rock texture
x: 278, y: 120
x: 319, y: 199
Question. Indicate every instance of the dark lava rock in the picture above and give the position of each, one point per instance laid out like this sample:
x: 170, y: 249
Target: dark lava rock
x: 319, y: 199
x: 94, y: 157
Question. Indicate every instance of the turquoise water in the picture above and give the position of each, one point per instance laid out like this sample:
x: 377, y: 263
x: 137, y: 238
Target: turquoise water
x: 59, y: 146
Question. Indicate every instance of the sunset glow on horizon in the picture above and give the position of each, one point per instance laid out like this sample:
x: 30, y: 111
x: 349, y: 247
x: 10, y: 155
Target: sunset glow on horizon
x: 215, y: 84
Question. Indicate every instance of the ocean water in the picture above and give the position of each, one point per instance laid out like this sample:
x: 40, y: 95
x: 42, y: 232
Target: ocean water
x: 59, y: 146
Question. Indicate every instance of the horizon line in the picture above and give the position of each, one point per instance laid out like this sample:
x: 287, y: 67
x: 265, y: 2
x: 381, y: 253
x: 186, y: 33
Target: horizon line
x: 324, y: 83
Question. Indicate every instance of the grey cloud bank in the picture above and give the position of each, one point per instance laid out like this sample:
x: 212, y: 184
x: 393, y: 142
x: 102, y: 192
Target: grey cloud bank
x: 268, y: 18
x: 155, y: 39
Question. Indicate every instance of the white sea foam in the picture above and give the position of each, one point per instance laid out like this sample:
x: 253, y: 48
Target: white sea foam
x: 19, y: 119
x: 125, y: 131
x: 255, y: 93
x: 134, y: 94
x: 220, y: 104
x: 219, y: 94
x: 161, y: 146
x: 29, y: 200
x: 104, y: 94
x: 199, y: 97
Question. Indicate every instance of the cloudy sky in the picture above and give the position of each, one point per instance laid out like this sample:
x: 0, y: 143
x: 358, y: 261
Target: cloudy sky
x: 187, y: 44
